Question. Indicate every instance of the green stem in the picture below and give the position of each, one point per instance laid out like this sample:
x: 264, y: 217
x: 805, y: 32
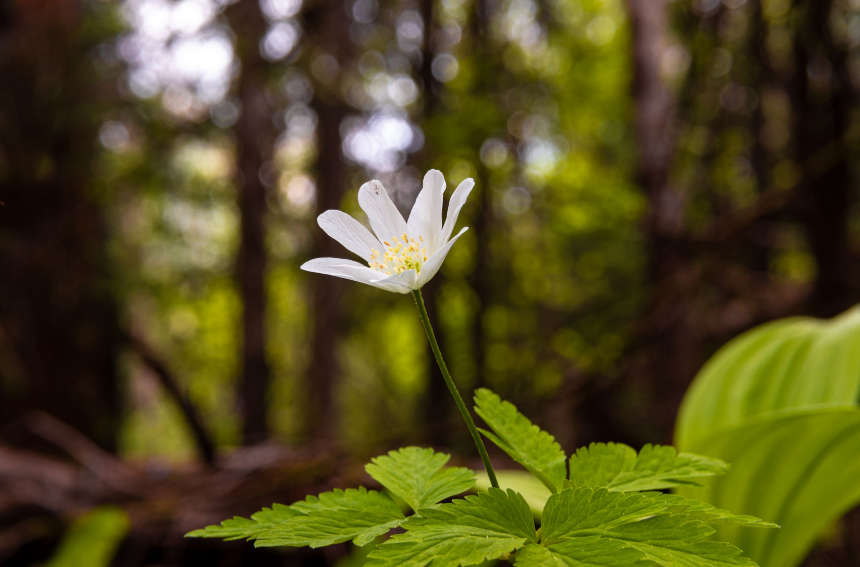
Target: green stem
x: 453, y: 388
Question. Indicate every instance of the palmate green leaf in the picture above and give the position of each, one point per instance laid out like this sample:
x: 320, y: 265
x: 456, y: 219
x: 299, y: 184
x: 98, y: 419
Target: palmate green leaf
x: 521, y: 482
x: 618, y: 467
x: 464, y: 532
x: 593, y: 526
x: 248, y: 529
x: 707, y: 513
x: 335, y: 517
x: 524, y: 442
x: 779, y: 403
x: 417, y: 476
x: 593, y: 551
x: 576, y: 512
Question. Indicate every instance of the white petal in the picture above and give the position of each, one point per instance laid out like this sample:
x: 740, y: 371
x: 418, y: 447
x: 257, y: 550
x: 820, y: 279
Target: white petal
x: 385, y: 220
x: 434, y: 262
x: 399, y: 283
x: 349, y: 270
x: 408, y: 278
x: 458, y: 199
x: 426, y: 216
x: 350, y: 233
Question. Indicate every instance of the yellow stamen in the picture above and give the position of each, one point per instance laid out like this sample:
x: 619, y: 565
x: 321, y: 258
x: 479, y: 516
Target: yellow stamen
x: 404, y: 254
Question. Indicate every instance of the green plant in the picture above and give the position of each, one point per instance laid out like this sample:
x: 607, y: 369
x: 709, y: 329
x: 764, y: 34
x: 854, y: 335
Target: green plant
x: 603, y: 508
x: 780, y: 403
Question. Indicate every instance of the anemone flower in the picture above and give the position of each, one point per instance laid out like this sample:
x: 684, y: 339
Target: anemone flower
x: 403, y: 255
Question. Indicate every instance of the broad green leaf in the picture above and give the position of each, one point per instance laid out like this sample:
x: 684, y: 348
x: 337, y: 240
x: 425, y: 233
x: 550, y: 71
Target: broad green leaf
x: 779, y: 404
x: 464, y: 532
x: 248, y: 529
x: 799, y: 470
x: 417, y: 476
x: 618, y: 467
x: 581, y: 523
x: 527, y: 444
x: 335, y: 517
x: 707, y: 513
x: 791, y: 363
x: 522, y: 482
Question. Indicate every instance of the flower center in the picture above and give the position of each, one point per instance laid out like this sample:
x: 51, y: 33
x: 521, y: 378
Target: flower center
x: 401, y: 254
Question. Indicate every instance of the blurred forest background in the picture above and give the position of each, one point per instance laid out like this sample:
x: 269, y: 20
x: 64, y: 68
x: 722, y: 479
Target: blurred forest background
x: 653, y: 178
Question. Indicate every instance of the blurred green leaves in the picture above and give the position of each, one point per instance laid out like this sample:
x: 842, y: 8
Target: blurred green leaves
x: 92, y: 539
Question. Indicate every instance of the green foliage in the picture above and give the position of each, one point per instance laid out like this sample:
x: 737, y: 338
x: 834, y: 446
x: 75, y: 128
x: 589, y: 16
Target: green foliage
x: 525, y: 443
x: 788, y: 364
x: 416, y: 476
x: 335, y: 517
x: 249, y: 529
x: 92, y: 539
x: 413, y: 474
x: 526, y: 484
x: 598, y: 527
x: 618, y: 467
x: 601, y: 516
x: 463, y: 532
x: 779, y: 403
x: 707, y: 513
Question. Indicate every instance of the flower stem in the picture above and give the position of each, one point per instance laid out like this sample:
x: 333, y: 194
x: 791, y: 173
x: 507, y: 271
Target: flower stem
x: 453, y: 388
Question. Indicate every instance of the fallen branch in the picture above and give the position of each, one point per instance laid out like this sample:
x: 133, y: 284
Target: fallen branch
x: 201, y: 437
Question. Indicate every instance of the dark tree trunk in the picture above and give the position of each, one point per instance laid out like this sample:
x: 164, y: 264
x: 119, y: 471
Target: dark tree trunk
x: 58, y: 318
x: 480, y: 278
x: 821, y: 118
x: 759, y: 158
x: 328, y: 25
x: 327, y: 307
x: 668, y: 358
x: 254, y: 136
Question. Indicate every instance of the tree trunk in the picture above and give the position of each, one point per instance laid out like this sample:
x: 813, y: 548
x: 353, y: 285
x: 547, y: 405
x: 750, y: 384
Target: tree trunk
x: 328, y: 25
x: 58, y: 318
x: 254, y: 137
x: 668, y: 359
x: 821, y: 118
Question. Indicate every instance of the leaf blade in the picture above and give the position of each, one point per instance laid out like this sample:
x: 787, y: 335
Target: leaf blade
x: 417, y: 476
x: 575, y: 516
x: 335, y: 517
x: 332, y: 517
x: 656, y: 467
x: 523, y: 441
x: 248, y: 528
x: 464, y: 532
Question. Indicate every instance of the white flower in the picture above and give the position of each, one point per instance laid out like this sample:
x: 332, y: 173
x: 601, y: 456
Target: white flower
x: 404, y: 255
